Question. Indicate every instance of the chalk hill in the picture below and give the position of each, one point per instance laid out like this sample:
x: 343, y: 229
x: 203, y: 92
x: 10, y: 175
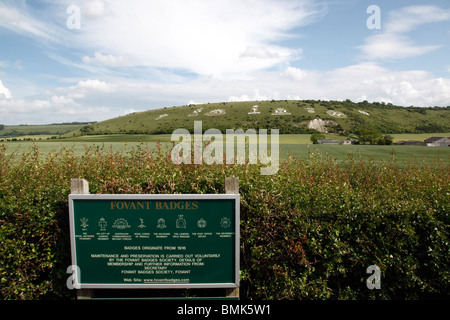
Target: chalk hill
x: 290, y: 116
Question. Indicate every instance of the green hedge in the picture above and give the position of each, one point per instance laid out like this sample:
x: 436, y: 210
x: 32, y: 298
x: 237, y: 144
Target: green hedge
x: 308, y: 232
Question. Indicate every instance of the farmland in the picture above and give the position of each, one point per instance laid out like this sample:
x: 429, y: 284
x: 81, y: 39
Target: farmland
x: 39, y: 131
x: 293, y: 144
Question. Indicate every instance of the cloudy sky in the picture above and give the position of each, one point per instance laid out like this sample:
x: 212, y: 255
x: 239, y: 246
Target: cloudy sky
x: 90, y: 60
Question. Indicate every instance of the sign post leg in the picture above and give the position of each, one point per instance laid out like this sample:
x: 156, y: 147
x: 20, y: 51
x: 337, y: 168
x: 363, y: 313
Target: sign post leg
x: 81, y: 186
x: 232, y: 187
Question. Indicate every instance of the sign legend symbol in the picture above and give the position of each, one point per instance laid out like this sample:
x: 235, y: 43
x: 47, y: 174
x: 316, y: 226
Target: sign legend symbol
x: 181, y: 222
x: 201, y: 223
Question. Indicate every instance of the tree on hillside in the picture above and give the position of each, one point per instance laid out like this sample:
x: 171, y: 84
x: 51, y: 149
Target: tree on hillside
x: 316, y: 136
x: 89, y: 129
x: 369, y: 135
x: 372, y: 136
x: 386, y: 140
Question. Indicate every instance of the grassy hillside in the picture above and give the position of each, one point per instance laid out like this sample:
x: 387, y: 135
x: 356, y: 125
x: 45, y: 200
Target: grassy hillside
x: 47, y: 130
x: 288, y: 116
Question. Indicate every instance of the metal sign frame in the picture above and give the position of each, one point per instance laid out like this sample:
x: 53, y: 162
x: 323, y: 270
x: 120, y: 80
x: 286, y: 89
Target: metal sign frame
x: 155, y: 197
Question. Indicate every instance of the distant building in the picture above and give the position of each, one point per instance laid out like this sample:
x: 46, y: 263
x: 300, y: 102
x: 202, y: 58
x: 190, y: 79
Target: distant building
x: 437, y: 142
x: 348, y: 141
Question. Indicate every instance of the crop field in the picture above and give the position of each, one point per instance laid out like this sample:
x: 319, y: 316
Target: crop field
x: 402, y: 154
x: 290, y: 144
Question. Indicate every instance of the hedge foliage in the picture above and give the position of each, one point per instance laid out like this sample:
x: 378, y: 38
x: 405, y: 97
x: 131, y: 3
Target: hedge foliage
x: 308, y: 232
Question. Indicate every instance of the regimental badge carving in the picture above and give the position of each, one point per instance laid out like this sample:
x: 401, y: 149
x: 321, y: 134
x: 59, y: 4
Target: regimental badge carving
x: 181, y: 222
x: 121, y: 224
x: 225, y: 222
x: 201, y: 223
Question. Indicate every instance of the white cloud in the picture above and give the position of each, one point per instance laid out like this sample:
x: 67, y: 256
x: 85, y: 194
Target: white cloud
x: 393, y: 42
x: 376, y: 83
x: 94, y: 85
x: 95, y: 8
x: 295, y: 74
x: 265, y: 52
x: 4, y: 91
x: 49, y: 110
x: 218, y: 38
x: 107, y: 60
x: 409, y: 18
x: 18, y: 19
x: 88, y: 100
x: 364, y: 81
x: 393, y: 46
x: 255, y: 96
x: 61, y: 100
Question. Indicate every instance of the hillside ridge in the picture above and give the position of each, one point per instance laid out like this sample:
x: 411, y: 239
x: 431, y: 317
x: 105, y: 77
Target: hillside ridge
x: 289, y: 116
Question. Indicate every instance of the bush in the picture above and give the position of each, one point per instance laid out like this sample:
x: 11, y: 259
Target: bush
x: 309, y: 232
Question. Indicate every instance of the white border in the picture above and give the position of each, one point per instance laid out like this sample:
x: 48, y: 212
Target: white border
x: 236, y: 197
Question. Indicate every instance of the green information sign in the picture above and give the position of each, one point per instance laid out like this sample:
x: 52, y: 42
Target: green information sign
x: 155, y: 241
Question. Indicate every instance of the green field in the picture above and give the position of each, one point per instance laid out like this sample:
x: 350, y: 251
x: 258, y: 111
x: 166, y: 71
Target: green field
x: 293, y: 144
x: 369, y: 152
x: 38, y: 131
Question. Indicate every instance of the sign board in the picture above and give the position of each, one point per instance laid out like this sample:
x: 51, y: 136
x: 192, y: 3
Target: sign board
x: 155, y: 241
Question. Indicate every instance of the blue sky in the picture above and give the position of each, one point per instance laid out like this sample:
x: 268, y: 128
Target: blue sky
x: 127, y: 56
